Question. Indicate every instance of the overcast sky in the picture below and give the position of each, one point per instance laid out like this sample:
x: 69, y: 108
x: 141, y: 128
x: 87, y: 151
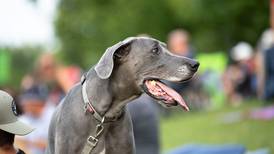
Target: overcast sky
x: 26, y: 22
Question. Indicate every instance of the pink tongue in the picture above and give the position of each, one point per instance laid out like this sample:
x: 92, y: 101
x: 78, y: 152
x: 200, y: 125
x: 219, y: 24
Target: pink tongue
x: 174, y: 95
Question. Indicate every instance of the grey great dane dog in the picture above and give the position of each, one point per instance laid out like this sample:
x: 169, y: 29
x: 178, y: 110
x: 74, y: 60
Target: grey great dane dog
x: 128, y: 68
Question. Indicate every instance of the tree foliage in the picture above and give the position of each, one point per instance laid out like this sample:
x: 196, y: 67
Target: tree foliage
x: 87, y: 27
x: 22, y: 62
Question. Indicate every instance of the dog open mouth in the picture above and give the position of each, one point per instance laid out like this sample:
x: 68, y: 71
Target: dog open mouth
x: 159, y: 91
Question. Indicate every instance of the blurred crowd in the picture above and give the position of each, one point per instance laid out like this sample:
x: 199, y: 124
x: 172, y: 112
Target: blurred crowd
x: 249, y: 74
x: 40, y: 92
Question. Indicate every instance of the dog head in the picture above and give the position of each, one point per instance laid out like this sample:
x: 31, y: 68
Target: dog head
x: 141, y: 63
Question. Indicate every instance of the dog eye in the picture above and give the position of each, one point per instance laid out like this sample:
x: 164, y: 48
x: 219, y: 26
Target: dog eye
x: 155, y: 50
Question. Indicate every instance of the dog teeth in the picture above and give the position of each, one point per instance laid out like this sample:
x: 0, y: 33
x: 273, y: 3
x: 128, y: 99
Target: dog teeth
x: 153, y: 82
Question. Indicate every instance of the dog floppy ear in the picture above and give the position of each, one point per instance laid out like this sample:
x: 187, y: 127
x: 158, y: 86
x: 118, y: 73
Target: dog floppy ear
x: 105, y: 65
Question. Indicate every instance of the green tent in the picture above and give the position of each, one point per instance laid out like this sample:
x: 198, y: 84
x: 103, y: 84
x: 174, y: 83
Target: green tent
x: 5, y: 66
x: 216, y: 61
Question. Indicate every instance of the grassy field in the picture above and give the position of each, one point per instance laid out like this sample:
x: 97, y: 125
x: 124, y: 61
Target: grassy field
x: 208, y: 128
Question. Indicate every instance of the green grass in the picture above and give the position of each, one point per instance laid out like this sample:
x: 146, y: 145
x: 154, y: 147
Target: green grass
x: 207, y: 128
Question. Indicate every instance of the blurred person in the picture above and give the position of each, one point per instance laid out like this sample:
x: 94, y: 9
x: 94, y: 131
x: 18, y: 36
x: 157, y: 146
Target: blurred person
x: 27, y: 82
x: 37, y: 113
x: 265, y: 42
x: 239, y: 78
x: 145, y: 121
x: 57, y: 79
x: 268, y: 91
x: 68, y: 77
x: 45, y: 74
x: 178, y: 43
x: 46, y: 67
x: 10, y: 125
x: 260, y: 73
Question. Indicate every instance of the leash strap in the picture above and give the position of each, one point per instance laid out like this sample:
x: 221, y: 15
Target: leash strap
x: 92, y: 141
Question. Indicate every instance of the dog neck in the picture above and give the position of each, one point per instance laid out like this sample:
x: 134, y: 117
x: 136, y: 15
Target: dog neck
x: 110, y: 96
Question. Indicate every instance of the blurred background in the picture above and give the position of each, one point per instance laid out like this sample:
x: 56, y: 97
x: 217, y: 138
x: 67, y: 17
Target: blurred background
x: 45, y: 46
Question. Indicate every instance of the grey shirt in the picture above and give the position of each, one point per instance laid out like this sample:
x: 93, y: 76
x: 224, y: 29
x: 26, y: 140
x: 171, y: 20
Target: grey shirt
x: 145, y: 121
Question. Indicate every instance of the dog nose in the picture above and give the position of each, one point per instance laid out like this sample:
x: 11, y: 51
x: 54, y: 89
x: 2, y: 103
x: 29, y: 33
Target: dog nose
x: 194, y: 65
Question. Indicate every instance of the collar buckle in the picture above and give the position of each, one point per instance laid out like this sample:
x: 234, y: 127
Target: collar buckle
x: 92, y: 141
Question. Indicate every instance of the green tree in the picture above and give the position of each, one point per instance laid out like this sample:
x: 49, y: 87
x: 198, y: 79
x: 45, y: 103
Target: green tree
x: 87, y: 27
x: 218, y: 25
x: 22, y: 61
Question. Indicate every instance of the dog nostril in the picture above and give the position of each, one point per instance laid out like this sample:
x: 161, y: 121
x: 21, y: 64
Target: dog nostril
x: 194, y: 65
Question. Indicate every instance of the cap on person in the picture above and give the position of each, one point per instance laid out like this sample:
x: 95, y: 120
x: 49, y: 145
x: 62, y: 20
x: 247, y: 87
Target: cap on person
x: 242, y: 51
x: 8, y: 116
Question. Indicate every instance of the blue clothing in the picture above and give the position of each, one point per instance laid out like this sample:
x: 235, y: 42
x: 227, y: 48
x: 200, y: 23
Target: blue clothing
x: 209, y: 149
x: 269, y: 74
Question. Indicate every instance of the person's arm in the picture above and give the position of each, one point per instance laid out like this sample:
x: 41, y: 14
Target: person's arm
x: 260, y: 73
